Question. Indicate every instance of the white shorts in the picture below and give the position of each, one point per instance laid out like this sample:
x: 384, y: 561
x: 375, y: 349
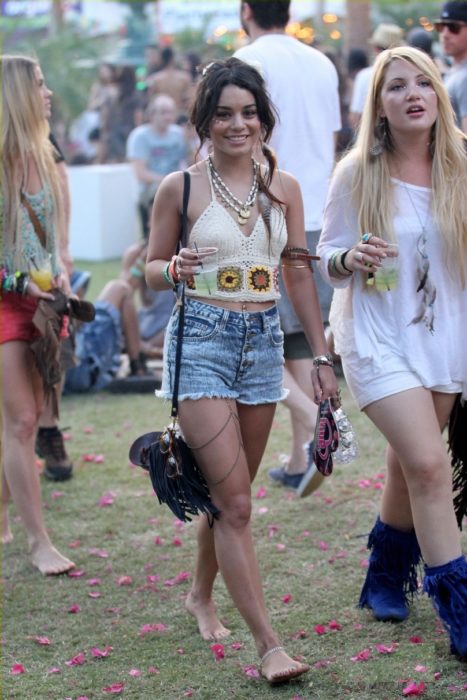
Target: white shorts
x: 369, y: 383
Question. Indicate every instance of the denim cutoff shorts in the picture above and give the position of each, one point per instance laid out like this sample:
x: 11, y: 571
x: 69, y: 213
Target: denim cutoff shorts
x: 225, y: 354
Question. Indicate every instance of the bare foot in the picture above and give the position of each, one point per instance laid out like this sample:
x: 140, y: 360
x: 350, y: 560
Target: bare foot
x: 49, y: 561
x: 278, y: 667
x: 210, y: 627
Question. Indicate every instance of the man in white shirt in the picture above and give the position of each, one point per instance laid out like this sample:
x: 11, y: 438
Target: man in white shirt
x: 303, y: 85
x: 452, y: 28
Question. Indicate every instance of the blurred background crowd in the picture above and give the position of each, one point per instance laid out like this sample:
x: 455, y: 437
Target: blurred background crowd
x: 106, y: 70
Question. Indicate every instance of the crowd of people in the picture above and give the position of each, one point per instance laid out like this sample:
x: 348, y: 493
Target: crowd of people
x: 387, y: 226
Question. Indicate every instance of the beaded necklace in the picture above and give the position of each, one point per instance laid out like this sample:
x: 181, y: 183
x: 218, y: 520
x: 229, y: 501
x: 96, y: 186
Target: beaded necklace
x: 243, y: 209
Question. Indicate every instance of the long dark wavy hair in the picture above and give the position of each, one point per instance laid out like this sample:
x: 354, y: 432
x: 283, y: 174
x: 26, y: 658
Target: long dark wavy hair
x: 218, y: 75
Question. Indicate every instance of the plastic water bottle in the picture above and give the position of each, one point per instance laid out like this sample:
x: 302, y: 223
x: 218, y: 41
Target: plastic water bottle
x: 348, y: 446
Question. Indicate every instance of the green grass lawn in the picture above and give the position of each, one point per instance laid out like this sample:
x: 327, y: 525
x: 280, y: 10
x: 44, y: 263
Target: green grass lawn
x: 118, y: 627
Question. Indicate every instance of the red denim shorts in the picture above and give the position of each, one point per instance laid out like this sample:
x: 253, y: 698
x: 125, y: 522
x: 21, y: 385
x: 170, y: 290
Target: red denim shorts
x: 16, y: 313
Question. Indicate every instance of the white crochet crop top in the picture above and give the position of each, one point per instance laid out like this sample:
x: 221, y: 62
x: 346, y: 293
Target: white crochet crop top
x: 248, y: 266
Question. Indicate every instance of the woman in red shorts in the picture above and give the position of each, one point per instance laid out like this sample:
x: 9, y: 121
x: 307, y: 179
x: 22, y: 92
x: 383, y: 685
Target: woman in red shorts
x: 30, y: 218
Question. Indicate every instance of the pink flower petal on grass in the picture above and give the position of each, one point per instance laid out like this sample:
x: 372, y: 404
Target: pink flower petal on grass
x: 106, y: 499
x: 125, y: 581
x: 177, y: 542
x: 156, y: 627
x: 251, y: 671
x: 218, y: 650
x: 56, y: 494
x: 280, y: 547
x: 416, y: 640
x: 135, y: 672
x: 363, y: 655
x: 323, y: 546
x: 77, y: 660
x: 42, y: 640
x: 94, y: 594
x: 54, y: 669
x: 153, y: 669
x: 115, y: 688
x: 384, y: 649
x: 261, y: 492
x: 94, y: 582
x: 74, y: 609
x: 420, y: 668
x: 414, y: 689
x: 236, y: 645
x: 100, y: 653
x: 287, y: 598
x: 88, y: 429
x: 334, y: 625
x: 158, y: 540
x: 16, y: 669
x: 98, y: 459
x: 76, y: 573
x: 320, y: 629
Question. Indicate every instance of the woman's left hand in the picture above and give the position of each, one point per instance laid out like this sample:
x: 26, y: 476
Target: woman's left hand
x: 324, y: 383
x: 61, y: 281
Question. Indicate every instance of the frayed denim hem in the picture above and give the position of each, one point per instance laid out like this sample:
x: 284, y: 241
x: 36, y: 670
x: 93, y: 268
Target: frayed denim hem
x: 202, y: 395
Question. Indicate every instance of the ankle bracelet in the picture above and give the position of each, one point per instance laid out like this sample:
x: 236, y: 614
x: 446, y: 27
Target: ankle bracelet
x: 270, y: 652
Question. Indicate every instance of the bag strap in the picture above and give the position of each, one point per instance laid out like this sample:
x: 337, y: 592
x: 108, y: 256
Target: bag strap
x: 34, y: 220
x: 181, y: 300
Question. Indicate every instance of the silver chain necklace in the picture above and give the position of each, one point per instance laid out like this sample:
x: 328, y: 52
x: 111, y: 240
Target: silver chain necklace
x: 424, y: 282
x: 243, y: 209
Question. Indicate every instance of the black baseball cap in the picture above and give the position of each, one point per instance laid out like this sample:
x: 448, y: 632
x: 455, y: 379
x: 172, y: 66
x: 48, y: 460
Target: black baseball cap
x: 454, y: 11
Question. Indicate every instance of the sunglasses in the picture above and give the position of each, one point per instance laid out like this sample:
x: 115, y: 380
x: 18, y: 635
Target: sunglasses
x: 454, y: 27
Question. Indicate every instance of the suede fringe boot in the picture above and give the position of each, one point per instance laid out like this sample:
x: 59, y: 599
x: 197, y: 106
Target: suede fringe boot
x: 447, y: 587
x: 391, y: 580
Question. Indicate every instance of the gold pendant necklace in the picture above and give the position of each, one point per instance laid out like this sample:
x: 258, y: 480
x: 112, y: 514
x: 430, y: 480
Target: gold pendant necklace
x: 243, y: 209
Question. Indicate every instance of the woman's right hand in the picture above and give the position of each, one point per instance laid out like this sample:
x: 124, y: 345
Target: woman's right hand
x: 189, y: 261
x: 366, y: 256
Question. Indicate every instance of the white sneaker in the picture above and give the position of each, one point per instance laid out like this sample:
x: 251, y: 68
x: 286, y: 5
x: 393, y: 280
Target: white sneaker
x: 311, y: 481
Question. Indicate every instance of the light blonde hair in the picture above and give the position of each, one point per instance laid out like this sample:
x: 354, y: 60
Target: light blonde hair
x: 371, y: 181
x: 24, y: 134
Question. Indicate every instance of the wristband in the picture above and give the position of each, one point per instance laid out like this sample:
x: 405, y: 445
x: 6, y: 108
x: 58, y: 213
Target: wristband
x: 167, y: 276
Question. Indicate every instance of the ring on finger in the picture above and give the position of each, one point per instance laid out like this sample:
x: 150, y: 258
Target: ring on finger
x: 366, y: 237
x: 178, y: 265
x: 359, y: 256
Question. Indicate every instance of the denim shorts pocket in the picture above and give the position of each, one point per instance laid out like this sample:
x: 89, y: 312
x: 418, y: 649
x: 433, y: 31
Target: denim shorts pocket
x: 198, y: 328
x: 275, y: 332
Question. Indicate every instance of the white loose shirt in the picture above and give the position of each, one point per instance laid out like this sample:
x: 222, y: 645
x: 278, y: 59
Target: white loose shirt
x: 370, y: 325
x: 303, y: 85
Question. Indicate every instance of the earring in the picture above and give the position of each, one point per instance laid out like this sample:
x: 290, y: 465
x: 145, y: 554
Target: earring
x: 382, y: 138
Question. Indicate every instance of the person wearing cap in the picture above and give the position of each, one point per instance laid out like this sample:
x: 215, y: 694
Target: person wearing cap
x: 452, y: 28
x: 385, y: 36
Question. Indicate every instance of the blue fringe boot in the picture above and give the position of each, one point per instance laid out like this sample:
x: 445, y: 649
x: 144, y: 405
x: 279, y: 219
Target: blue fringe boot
x: 447, y: 587
x: 391, y: 579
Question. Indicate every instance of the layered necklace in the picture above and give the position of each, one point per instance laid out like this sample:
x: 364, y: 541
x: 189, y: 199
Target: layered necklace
x: 243, y: 209
x: 425, y: 285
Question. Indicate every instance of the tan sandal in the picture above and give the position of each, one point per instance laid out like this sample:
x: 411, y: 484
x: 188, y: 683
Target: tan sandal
x: 288, y: 673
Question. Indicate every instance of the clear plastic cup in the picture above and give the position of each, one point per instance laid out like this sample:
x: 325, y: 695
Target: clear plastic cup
x: 387, y: 276
x: 42, y: 274
x: 206, y: 274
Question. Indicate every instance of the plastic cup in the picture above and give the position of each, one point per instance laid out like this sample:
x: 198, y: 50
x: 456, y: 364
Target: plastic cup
x: 206, y: 275
x: 387, y: 276
x: 43, y: 276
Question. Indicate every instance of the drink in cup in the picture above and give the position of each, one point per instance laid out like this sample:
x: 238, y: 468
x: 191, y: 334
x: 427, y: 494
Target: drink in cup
x: 206, y: 274
x: 387, y: 276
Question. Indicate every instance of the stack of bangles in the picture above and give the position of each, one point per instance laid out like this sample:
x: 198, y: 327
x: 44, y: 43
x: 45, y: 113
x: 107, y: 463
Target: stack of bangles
x: 17, y: 282
x: 337, y: 266
x: 170, y: 274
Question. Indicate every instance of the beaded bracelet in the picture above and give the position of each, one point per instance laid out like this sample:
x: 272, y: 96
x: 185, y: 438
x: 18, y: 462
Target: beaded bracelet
x: 167, y: 276
x: 326, y: 359
x: 336, y: 267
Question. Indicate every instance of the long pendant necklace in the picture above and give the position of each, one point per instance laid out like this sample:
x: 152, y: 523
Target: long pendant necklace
x: 243, y: 209
x: 425, y: 284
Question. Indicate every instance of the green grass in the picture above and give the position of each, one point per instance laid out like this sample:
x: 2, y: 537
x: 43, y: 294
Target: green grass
x: 311, y: 549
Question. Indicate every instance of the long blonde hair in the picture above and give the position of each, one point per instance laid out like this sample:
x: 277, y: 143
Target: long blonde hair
x: 371, y: 181
x: 24, y: 134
